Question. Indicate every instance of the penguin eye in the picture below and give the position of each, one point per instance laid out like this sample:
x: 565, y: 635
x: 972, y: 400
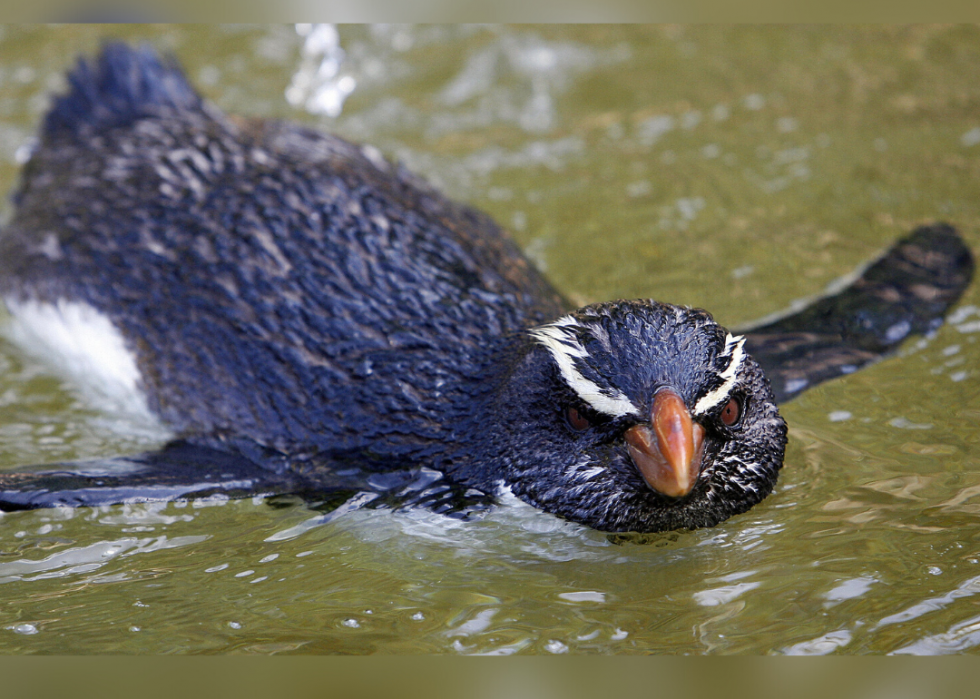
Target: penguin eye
x: 732, y: 412
x: 576, y: 420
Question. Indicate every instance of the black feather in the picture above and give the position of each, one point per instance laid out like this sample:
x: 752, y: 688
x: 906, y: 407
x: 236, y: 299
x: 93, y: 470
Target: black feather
x: 122, y: 85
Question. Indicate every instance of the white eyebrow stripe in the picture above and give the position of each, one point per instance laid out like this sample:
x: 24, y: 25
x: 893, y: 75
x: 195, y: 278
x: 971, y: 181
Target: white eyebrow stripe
x: 733, y: 346
x: 564, y: 350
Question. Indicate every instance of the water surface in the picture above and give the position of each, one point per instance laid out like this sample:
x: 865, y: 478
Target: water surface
x: 733, y: 169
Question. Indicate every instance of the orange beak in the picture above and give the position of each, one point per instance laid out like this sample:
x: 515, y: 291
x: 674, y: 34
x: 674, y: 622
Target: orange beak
x: 668, y: 451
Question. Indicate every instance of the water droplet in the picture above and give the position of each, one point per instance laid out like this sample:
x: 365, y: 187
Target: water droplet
x: 970, y: 138
x: 585, y: 596
x: 904, y: 424
x: 556, y: 647
x: 786, y: 124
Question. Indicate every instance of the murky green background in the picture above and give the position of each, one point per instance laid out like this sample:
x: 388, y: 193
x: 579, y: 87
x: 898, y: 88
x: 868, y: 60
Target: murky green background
x: 736, y: 169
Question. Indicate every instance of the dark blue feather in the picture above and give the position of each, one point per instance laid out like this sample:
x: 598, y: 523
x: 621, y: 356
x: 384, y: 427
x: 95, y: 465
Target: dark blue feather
x: 122, y: 85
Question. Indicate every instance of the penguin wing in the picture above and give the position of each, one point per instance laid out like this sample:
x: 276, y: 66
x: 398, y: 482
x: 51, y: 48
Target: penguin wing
x: 180, y: 470
x: 907, y: 291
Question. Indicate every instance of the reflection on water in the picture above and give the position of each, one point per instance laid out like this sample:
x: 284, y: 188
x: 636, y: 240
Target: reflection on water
x: 734, y: 169
x: 87, y: 559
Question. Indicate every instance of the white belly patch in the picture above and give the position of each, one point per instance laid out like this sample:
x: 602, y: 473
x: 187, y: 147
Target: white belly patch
x: 82, y: 344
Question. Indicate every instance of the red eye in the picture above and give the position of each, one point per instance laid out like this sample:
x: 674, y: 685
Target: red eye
x: 732, y: 411
x: 576, y: 420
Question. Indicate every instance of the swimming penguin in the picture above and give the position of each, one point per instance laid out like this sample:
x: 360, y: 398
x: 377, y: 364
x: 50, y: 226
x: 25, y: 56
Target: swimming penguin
x: 308, y: 317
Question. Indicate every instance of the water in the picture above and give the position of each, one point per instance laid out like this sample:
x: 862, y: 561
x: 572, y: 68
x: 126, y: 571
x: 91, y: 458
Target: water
x: 733, y: 169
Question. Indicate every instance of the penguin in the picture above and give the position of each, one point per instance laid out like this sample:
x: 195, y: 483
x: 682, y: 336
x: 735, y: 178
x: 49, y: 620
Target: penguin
x: 308, y: 317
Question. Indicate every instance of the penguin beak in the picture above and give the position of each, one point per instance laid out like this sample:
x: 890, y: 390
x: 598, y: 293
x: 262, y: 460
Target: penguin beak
x: 668, y: 451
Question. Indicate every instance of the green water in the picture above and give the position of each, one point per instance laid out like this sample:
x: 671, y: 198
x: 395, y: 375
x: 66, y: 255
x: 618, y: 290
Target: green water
x: 733, y: 169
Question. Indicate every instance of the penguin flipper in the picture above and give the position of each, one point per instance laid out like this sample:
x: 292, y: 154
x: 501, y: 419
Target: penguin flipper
x: 180, y: 470
x: 907, y: 291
